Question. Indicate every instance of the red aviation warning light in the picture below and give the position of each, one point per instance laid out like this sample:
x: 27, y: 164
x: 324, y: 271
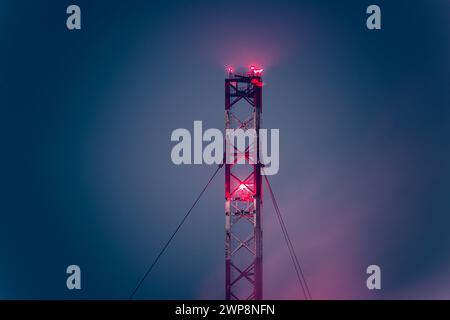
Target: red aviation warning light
x: 242, y: 186
x: 244, y: 193
x: 256, y: 82
x: 256, y: 71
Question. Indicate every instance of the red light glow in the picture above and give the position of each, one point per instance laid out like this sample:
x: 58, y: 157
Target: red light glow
x: 256, y: 71
x: 256, y: 82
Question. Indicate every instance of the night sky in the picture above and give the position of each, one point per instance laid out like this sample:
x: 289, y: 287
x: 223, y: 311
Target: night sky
x: 86, y: 119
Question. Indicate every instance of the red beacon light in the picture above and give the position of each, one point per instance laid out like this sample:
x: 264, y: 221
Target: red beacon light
x: 242, y: 187
x: 255, y: 71
x: 257, y: 82
x: 244, y: 192
x: 258, y: 72
x: 230, y: 70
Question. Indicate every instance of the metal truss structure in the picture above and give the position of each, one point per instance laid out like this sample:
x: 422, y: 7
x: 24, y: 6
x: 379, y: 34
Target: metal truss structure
x: 243, y: 191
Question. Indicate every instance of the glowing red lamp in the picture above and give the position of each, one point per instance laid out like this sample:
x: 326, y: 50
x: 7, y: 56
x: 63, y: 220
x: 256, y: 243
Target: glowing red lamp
x: 256, y: 71
x: 242, y: 187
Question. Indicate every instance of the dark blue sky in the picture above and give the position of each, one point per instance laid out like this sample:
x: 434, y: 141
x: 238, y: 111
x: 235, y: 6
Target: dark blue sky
x: 364, y: 119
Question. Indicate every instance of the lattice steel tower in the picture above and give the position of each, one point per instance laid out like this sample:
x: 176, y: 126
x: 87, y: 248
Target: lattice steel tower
x: 243, y: 191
